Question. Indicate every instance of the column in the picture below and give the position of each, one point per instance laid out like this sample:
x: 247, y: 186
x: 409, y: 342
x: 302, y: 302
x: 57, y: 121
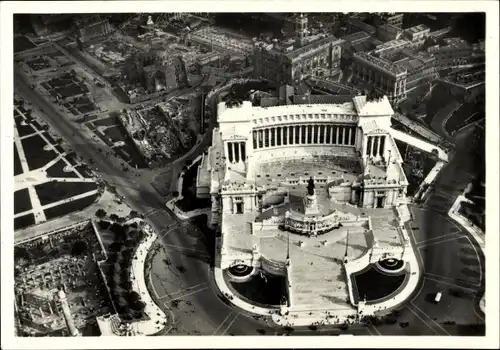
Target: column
x: 343, y: 135
x: 325, y: 128
x: 229, y: 152
x: 378, y: 146
x: 365, y: 145
x: 350, y: 136
x: 331, y: 134
x: 281, y: 139
x: 372, y: 146
x: 266, y: 137
x: 382, y: 146
x: 259, y: 138
x: 254, y: 139
x: 300, y: 134
x: 242, y: 151
x: 337, y: 139
x: 236, y: 152
x: 316, y: 131
x: 275, y: 136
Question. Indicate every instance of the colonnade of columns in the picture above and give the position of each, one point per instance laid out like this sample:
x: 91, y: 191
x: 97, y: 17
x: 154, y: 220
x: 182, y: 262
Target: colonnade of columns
x: 236, y: 152
x: 304, y: 134
x: 375, y: 146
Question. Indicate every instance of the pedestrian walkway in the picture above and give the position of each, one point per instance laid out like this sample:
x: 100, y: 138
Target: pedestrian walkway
x: 474, y: 231
x: 418, y: 128
x: 423, y: 145
x: 157, y: 318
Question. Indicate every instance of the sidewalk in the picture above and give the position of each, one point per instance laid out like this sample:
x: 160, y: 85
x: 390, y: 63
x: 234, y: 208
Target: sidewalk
x: 156, y: 315
x: 474, y: 231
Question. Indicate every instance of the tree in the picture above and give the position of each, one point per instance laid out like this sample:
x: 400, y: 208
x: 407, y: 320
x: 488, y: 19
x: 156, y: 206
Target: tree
x: 100, y: 213
x: 133, y: 214
x: 115, y: 247
x: 175, y: 194
x: 113, y: 217
x: 79, y: 248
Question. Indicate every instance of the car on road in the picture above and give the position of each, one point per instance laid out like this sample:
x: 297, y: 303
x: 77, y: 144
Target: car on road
x: 437, y: 299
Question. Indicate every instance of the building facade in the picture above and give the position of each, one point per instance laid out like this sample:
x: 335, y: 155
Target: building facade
x: 355, y: 135
x: 454, y: 53
x: 285, y: 62
x: 417, y: 35
x: 387, y: 78
x: 393, y: 19
x: 360, y: 131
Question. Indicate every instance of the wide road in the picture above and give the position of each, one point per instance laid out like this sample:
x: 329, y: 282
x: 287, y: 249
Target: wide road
x: 451, y: 259
x: 142, y: 197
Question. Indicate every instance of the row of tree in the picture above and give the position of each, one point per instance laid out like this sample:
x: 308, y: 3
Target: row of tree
x: 120, y: 256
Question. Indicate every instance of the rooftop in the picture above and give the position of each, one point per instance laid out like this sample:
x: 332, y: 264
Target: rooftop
x: 352, y: 38
x: 363, y: 46
x: 322, y: 99
x: 381, y: 63
x: 373, y: 108
x: 392, y: 44
x: 362, y: 25
x: 417, y: 29
x: 323, y: 40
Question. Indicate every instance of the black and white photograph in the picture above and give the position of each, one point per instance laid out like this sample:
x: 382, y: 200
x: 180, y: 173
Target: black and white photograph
x: 248, y: 173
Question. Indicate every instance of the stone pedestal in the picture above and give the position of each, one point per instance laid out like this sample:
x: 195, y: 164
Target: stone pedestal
x: 311, y: 205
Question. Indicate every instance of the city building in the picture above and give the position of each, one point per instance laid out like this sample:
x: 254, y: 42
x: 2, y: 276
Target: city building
x: 355, y: 25
x: 306, y: 55
x: 420, y: 67
x: 385, y: 77
x: 417, y: 35
x: 352, y: 42
x: 455, y: 52
x: 387, y: 32
x: 393, y: 69
x: 93, y: 28
x: 390, y: 47
x: 393, y: 19
x: 155, y: 71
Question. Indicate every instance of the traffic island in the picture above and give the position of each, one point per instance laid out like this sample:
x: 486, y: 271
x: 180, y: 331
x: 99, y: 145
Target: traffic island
x: 473, y: 230
x: 153, y: 319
